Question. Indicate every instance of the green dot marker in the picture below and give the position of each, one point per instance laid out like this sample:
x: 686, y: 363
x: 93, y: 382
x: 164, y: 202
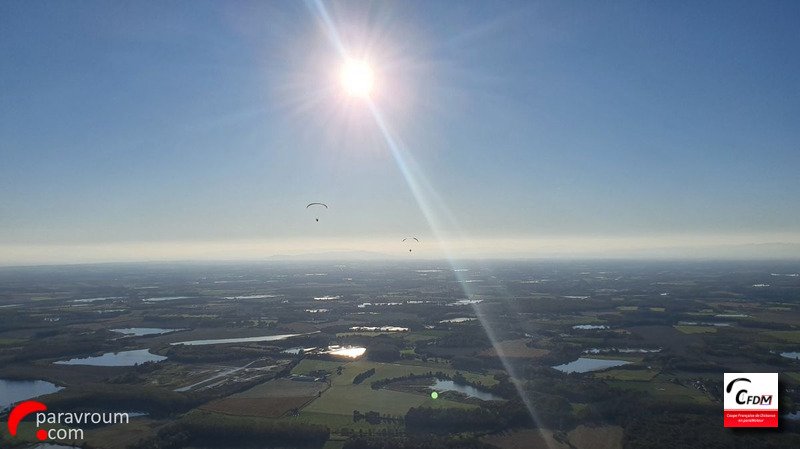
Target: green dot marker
x: 434, y: 395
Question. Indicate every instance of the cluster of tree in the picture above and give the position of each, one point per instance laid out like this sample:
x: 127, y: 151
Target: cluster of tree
x: 180, y: 321
x: 564, y: 306
x: 451, y: 420
x: 465, y: 337
x: 378, y: 384
x: 550, y: 412
x: 467, y: 363
x: 62, y: 345
x: 373, y: 417
x: 383, y: 432
x: 363, y: 376
x: 135, y: 376
x: 671, y: 430
x: 383, y: 352
x: 225, y: 433
x: 11, y: 443
x: 219, y: 353
x: 155, y: 401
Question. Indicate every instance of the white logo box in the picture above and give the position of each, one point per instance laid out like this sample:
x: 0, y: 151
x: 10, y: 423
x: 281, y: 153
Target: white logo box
x: 751, y: 391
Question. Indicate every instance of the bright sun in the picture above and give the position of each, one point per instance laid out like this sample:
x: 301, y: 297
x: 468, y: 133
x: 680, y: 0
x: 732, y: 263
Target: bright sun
x: 357, y: 78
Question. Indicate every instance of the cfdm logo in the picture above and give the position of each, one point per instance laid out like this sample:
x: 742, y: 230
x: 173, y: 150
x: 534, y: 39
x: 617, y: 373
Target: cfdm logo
x: 751, y: 399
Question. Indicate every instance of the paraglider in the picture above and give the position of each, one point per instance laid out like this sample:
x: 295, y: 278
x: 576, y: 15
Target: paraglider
x: 411, y: 241
x: 317, y: 207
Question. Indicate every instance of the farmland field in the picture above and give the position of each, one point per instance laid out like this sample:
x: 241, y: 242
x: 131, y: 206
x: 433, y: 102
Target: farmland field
x: 273, y: 407
x: 697, y: 329
x: 627, y: 374
x: 517, y: 349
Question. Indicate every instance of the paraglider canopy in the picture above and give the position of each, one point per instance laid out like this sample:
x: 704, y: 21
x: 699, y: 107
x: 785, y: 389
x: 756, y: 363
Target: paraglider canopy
x: 317, y: 207
x: 412, y: 241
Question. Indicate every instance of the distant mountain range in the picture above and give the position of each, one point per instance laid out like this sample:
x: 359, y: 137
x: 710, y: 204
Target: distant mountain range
x: 775, y: 250
x: 336, y: 255
x: 760, y: 251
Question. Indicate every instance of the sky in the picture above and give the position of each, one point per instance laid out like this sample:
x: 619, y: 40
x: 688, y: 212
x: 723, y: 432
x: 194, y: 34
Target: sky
x: 201, y: 129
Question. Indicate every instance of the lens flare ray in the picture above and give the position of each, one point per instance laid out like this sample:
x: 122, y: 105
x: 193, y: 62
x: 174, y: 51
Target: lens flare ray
x: 430, y: 205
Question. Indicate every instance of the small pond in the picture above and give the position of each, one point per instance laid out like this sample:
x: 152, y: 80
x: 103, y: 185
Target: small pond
x: 470, y: 391
x: 13, y: 391
x: 123, y: 358
x: 142, y: 331
x: 238, y: 340
x: 585, y: 365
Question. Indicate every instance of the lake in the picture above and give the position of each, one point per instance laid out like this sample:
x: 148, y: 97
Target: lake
x: 142, y: 331
x: 585, y: 365
x: 470, y: 391
x: 240, y: 340
x: 621, y: 350
x: 791, y: 355
x: 13, y: 391
x: 379, y: 329
x: 297, y: 350
x: 123, y: 358
x: 701, y: 323
x: 165, y: 298
x: 457, y: 320
x: 349, y: 352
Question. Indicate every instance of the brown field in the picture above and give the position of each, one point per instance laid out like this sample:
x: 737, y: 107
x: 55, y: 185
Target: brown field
x: 516, y: 349
x: 283, y: 388
x: 525, y: 439
x: 261, y: 407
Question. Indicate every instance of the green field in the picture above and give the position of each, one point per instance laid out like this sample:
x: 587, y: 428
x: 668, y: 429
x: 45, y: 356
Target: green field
x: 278, y: 388
x: 333, y: 444
x: 343, y: 399
x: 308, y: 365
x: 638, y: 375
x: 414, y: 337
x: 382, y: 370
x: 697, y: 329
x: 790, y: 336
x: 336, y: 405
x: 363, y: 334
x: 662, y: 388
x: 628, y: 308
x: 587, y: 341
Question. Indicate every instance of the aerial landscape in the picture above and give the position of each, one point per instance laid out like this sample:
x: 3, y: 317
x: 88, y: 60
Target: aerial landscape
x: 348, y: 354
x: 381, y: 225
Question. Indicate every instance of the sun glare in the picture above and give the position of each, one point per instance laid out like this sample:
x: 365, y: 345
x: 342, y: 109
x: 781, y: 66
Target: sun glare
x: 357, y: 78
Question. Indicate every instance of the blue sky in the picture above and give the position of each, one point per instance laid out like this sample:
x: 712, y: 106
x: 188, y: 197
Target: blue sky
x: 149, y: 130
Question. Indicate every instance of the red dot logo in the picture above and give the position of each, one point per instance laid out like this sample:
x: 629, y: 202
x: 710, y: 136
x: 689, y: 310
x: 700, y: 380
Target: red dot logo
x: 21, y: 411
